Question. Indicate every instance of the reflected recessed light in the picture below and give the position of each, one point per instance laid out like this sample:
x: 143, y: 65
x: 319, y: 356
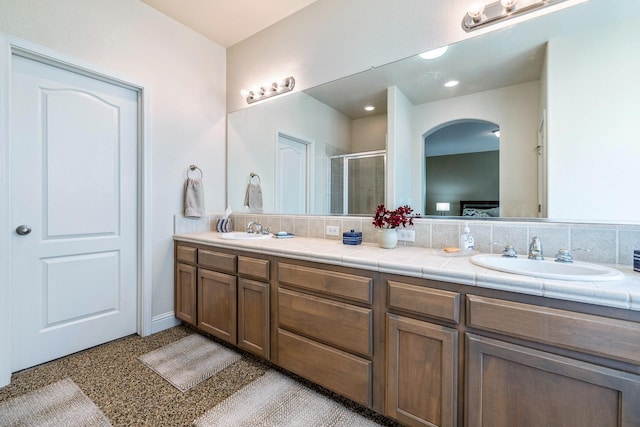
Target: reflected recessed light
x: 451, y: 83
x: 369, y: 108
x: 496, y: 133
x: 435, y: 53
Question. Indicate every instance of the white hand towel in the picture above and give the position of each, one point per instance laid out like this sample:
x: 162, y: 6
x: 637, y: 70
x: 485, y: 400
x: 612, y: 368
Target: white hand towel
x: 194, y: 198
x: 253, y: 198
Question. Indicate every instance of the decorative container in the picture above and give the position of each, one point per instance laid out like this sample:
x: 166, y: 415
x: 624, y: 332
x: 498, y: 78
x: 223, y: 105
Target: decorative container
x: 387, y: 238
x: 352, y: 237
x: 224, y: 225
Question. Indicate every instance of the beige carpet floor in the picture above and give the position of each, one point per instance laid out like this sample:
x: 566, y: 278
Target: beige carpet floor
x: 130, y: 394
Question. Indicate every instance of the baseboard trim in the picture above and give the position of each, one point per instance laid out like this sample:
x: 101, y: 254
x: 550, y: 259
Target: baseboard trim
x: 164, y: 321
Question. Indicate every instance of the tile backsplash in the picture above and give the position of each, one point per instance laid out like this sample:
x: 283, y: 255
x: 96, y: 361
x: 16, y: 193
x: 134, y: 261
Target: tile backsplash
x: 604, y: 243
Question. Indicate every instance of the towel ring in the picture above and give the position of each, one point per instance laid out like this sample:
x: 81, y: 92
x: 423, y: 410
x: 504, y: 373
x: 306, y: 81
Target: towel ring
x: 193, y: 168
x: 254, y: 175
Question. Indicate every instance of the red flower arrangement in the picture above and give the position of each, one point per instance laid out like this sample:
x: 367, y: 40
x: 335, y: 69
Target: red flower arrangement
x: 385, y: 218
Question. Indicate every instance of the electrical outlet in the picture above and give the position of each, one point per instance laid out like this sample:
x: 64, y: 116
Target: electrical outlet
x: 407, y: 235
x: 333, y: 230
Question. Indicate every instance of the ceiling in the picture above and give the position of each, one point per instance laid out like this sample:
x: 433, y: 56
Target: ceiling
x: 227, y: 22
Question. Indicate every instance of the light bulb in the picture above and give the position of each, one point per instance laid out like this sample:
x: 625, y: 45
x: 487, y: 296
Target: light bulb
x: 508, y: 4
x: 475, y: 10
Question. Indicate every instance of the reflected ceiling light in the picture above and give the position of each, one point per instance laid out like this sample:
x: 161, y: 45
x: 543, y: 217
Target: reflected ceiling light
x: 480, y: 14
x: 369, y: 108
x: 267, y: 90
x: 496, y: 133
x: 434, y: 53
x: 451, y: 83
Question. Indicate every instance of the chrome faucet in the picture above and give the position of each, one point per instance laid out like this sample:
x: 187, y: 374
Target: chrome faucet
x: 535, y: 249
x: 254, y: 227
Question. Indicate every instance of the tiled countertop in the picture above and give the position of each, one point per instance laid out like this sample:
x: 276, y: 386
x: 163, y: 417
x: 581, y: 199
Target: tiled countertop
x: 436, y: 265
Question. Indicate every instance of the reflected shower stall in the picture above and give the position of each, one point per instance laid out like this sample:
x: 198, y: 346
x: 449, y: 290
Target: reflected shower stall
x: 357, y: 182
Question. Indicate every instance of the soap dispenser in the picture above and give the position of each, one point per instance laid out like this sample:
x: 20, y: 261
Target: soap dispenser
x: 467, y: 243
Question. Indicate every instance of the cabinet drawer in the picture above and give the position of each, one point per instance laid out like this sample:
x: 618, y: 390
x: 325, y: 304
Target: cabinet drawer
x: 349, y: 286
x: 601, y: 336
x: 253, y: 267
x: 427, y: 301
x: 336, y: 370
x: 186, y: 254
x: 344, y: 325
x: 219, y: 261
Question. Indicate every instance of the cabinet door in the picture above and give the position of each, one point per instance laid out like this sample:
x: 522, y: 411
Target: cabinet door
x: 217, y: 304
x: 253, y: 317
x: 421, y: 372
x: 185, y: 293
x: 511, y: 385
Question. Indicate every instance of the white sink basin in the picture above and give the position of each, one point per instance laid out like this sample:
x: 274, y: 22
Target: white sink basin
x: 547, y: 269
x: 241, y: 235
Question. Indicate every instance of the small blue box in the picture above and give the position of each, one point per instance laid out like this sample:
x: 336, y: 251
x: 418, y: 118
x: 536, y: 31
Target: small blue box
x: 636, y: 261
x: 352, y: 237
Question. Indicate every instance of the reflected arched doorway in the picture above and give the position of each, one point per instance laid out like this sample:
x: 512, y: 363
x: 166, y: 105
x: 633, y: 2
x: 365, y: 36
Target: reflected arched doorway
x: 462, y: 168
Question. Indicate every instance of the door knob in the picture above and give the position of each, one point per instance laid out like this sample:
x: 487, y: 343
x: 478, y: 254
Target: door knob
x: 23, y: 230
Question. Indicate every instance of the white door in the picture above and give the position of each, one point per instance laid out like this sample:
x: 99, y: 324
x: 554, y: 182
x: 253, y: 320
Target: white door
x: 291, y: 175
x: 74, y: 184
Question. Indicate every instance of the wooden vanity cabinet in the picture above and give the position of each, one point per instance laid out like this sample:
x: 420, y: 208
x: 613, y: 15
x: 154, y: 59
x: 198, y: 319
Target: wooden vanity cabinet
x: 421, y: 355
x: 509, y: 382
x: 423, y: 352
x: 254, y: 305
x: 185, y: 284
x: 217, y: 302
x: 225, y: 295
x: 325, y: 329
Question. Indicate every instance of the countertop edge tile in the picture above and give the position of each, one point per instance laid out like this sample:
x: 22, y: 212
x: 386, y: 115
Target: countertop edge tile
x: 429, y: 264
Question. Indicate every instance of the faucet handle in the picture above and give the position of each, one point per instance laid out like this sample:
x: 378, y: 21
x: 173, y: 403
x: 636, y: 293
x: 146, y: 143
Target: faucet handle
x: 507, y: 250
x: 564, y: 255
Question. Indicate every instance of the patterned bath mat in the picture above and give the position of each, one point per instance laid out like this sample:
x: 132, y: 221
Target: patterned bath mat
x: 189, y: 361
x: 277, y: 400
x: 58, y: 404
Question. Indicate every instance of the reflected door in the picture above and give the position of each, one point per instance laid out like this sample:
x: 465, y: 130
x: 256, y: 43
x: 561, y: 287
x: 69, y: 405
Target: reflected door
x: 74, y: 189
x: 292, y: 178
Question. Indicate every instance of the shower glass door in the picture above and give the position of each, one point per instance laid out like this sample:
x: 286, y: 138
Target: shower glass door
x: 357, y: 182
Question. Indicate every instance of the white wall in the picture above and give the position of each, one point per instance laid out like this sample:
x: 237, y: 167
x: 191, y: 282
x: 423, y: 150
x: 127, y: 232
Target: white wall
x: 252, y: 148
x: 330, y: 39
x: 186, y: 75
x: 579, y: 164
x: 400, y: 177
x: 515, y: 109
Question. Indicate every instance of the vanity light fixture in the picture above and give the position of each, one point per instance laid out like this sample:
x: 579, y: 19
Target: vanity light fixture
x: 268, y: 90
x: 480, y: 14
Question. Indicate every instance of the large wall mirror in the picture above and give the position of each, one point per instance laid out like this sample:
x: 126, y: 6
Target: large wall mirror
x: 540, y: 125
